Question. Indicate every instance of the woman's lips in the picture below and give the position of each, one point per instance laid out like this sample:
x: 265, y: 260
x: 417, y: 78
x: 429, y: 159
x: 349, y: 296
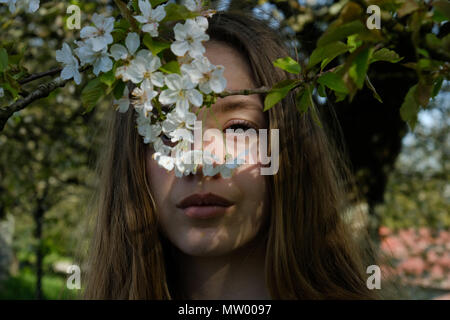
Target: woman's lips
x: 204, y: 206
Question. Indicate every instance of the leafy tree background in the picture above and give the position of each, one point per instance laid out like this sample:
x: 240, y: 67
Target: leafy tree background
x: 48, y: 150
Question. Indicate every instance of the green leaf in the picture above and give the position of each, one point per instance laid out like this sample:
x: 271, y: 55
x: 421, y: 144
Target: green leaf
x: 439, y: 16
x: 14, y: 92
x: 385, y: 55
x: 155, y: 46
x: 372, y: 88
x: 410, y: 108
x: 175, y: 12
x: 340, y: 96
x: 288, y: 64
x: 359, y: 67
x: 92, y: 93
x: 423, y: 92
x: 278, y: 92
x: 353, y: 42
x: 423, y: 52
x: 408, y: 7
x: 428, y: 64
x: 119, y: 88
x: 437, y: 86
x: 304, y: 100
x: 443, y: 6
x: 3, y: 59
x: 340, y: 32
x: 157, y: 2
x: 433, y: 41
x: 108, y: 78
x: 327, y: 52
x: 321, y: 91
x: 333, y: 81
x: 171, y: 67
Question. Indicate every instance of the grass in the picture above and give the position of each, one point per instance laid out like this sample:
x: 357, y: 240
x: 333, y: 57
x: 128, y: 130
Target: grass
x: 23, y: 287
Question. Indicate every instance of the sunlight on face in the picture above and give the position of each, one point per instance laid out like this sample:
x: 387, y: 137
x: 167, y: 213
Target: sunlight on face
x: 246, y: 191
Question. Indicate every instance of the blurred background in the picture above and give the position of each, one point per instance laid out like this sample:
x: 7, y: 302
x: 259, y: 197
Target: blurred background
x: 48, y: 153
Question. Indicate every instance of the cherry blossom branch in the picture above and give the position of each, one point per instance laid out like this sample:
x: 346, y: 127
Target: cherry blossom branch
x: 36, y: 76
x: 244, y: 92
x: 42, y: 91
x: 127, y: 14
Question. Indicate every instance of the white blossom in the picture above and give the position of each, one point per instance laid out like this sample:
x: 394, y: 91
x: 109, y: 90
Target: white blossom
x: 30, y: 5
x: 143, y: 96
x: 160, y: 147
x: 123, y: 103
x: 208, y: 77
x: 146, y: 129
x: 119, y: 52
x: 184, y: 162
x: 145, y: 66
x: 150, y: 17
x: 189, y: 37
x: 99, y: 59
x: 132, y: 42
x: 70, y: 64
x: 181, y: 90
x: 11, y: 5
x: 202, y: 22
x: 179, y: 127
x: 167, y: 162
x: 100, y: 35
x: 2, y: 92
x: 192, y: 5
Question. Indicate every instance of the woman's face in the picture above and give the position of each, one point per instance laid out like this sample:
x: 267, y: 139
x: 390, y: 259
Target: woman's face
x: 241, y: 218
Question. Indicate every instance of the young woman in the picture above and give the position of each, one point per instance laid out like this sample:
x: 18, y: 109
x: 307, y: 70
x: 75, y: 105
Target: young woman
x: 276, y: 236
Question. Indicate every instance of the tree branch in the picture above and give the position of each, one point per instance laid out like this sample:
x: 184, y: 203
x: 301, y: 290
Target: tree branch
x: 41, y: 92
x: 244, y: 92
x: 36, y: 76
x: 125, y: 12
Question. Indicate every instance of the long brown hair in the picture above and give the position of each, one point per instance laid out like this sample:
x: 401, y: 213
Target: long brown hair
x: 310, y: 251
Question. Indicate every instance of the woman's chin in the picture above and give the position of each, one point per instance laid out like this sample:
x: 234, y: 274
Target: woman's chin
x: 204, y: 242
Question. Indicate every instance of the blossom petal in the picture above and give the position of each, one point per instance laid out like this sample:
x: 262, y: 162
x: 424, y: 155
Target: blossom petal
x: 158, y: 13
x: 132, y: 42
x: 151, y: 28
x: 158, y: 79
x: 64, y: 55
x: 88, y: 32
x: 118, y: 52
x: 195, y: 97
x: 141, y: 19
x: 145, y: 7
x: 168, y: 96
x: 174, y: 81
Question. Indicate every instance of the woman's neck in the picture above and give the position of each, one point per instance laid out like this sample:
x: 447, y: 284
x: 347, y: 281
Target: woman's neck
x: 238, y: 275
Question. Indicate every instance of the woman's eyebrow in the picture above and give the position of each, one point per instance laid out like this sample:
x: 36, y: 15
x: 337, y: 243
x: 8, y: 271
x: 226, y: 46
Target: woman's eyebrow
x: 228, y: 106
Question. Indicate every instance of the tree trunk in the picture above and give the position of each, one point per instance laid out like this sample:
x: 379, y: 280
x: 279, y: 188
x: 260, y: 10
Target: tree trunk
x: 38, y: 217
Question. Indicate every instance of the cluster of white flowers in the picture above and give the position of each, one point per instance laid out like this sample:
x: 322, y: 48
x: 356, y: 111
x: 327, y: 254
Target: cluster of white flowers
x: 173, y: 136
x: 29, y: 5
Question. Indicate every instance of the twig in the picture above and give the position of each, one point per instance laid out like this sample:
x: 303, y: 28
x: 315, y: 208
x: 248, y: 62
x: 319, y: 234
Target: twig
x: 127, y: 14
x: 36, y: 76
x: 41, y: 92
x: 245, y: 92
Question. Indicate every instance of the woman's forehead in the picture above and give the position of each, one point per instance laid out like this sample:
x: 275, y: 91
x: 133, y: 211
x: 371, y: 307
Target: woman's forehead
x: 237, y: 70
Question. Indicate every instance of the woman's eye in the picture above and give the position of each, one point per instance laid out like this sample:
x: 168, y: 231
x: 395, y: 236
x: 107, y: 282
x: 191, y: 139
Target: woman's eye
x: 240, y: 125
